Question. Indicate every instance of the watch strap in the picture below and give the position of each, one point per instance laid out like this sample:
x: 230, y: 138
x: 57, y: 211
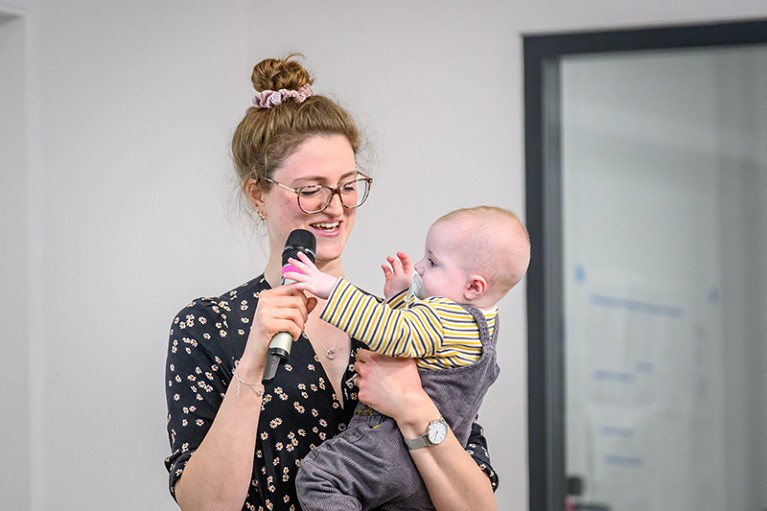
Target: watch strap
x: 418, y: 442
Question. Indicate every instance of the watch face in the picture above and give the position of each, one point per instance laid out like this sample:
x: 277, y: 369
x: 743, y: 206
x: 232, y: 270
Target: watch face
x: 437, y: 432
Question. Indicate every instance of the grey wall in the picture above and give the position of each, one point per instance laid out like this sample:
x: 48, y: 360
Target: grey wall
x: 128, y: 109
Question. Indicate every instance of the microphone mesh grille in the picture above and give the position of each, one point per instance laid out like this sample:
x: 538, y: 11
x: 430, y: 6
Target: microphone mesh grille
x: 299, y: 240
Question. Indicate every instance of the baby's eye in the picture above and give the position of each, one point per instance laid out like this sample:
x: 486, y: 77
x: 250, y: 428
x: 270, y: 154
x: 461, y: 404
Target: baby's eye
x: 432, y: 263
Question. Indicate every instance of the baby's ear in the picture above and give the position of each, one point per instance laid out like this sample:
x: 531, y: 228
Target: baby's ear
x: 476, y: 287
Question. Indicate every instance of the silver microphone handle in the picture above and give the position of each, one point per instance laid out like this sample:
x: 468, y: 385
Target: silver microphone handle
x: 281, y: 343
x: 279, y: 349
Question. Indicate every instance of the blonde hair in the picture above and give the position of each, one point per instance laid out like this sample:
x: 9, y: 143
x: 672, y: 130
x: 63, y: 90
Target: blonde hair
x: 493, y: 242
x: 265, y: 137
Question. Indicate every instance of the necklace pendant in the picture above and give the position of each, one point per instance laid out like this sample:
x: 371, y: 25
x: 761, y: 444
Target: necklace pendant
x: 330, y: 354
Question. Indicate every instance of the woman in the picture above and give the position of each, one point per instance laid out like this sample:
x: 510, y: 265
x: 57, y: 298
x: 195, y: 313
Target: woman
x: 237, y: 445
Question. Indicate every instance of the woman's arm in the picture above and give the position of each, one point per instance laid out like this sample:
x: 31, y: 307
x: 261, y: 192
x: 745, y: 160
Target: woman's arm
x: 454, y: 480
x: 218, y: 473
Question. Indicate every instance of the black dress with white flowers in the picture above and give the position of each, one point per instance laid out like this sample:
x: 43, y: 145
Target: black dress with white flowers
x: 300, y: 408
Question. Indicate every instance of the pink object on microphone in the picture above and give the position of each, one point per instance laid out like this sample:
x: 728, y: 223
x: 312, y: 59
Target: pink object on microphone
x: 290, y: 267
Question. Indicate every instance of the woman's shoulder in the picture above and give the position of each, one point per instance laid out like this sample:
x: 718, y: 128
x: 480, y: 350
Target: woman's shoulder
x: 214, y: 329
x: 210, y: 316
x: 226, y: 302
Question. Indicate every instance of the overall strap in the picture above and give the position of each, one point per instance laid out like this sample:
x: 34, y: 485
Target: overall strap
x: 484, y: 329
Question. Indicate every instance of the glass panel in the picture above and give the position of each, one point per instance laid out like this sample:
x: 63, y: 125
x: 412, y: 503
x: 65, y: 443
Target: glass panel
x: 664, y: 174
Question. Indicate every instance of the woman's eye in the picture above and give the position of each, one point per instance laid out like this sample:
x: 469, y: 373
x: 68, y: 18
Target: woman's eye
x: 309, y: 191
x: 349, y: 187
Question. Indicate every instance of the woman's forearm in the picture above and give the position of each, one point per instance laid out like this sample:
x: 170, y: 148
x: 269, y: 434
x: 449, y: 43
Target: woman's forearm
x: 454, y: 480
x: 218, y: 474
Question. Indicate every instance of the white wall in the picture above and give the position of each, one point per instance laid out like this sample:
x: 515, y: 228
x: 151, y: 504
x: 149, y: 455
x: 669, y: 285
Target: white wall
x: 14, y: 363
x: 130, y: 108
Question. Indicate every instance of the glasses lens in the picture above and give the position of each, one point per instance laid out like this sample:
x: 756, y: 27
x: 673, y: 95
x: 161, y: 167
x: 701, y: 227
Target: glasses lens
x: 355, y: 192
x: 314, y: 198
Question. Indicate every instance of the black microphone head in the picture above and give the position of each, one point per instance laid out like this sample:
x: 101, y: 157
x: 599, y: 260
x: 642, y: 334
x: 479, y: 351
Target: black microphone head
x: 299, y: 240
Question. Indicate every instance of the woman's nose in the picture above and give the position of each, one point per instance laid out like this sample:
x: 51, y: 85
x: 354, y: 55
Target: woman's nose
x: 335, y: 207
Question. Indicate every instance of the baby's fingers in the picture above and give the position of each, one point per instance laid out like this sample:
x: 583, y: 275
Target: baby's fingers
x: 304, y: 265
x: 396, y: 264
x: 405, y: 262
x: 295, y: 276
x: 306, y: 259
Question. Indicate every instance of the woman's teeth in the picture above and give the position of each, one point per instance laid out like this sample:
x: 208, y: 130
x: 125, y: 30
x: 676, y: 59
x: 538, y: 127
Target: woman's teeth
x: 326, y: 226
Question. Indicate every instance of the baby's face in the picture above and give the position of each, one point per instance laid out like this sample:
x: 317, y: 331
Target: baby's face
x: 442, y: 267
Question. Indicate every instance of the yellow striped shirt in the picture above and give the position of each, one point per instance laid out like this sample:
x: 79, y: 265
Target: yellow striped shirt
x: 438, y: 332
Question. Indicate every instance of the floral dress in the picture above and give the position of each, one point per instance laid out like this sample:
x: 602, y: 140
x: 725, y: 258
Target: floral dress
x: 300, y: 409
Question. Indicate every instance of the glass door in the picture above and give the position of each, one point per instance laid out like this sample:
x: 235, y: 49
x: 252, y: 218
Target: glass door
x: 647, y: 308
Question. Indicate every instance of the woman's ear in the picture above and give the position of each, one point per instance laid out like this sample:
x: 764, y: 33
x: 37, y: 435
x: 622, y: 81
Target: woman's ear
x: 476, y: 287
x: 255, y: 194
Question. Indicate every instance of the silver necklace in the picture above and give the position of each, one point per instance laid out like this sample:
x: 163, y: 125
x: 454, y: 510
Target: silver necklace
x: 330, y: 354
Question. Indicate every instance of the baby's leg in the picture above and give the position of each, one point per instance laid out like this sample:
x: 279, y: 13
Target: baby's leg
x: 355, y: 471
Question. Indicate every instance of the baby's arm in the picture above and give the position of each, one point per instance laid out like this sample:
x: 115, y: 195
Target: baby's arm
x: 309, y: 278
x: 413, y: 332
x: 398, y: 274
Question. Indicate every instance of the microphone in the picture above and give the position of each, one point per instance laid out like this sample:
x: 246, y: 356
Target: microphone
x: 299, y: 240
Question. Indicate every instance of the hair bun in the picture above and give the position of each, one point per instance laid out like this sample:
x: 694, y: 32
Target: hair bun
x: 276, y: 74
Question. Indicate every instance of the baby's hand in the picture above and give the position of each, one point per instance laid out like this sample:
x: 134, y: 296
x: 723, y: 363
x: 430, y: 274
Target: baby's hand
x: 309, y: 278
x: 398, y: 274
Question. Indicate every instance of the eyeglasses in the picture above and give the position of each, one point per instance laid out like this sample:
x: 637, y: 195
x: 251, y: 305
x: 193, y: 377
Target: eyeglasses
x: 316, y: 198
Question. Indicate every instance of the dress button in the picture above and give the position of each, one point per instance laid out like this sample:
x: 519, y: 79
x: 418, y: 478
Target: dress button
x: 342, y: 427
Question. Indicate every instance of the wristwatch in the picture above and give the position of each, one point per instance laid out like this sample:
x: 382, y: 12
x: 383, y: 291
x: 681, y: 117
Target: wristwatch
x: 436, y: 432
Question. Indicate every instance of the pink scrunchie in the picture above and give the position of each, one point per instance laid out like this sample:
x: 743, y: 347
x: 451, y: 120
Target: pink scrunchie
x: 270, y: 98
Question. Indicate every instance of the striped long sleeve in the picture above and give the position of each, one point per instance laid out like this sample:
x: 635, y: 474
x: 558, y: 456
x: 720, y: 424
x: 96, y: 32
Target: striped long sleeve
x: 437, y: 331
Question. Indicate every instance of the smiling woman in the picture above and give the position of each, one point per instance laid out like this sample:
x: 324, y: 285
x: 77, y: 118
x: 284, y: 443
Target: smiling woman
x: 237, y: 444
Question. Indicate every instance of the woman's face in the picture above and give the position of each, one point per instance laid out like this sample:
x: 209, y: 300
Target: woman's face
x: 325, y: 160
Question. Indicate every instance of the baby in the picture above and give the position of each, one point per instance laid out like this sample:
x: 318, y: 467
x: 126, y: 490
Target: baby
x: 444, y: 316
